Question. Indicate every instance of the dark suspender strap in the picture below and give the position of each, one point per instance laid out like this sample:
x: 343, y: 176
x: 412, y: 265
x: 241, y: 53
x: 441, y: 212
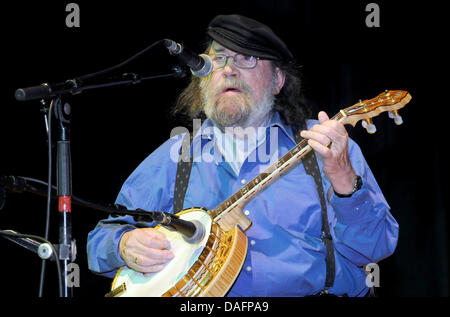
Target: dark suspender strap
x: 183, y: 173
x: 312, y: 168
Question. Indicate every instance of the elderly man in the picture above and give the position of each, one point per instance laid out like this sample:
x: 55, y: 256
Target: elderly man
x: 313, y: 232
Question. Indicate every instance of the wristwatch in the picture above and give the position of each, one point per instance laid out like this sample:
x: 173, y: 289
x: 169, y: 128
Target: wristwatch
x: 356, y: 186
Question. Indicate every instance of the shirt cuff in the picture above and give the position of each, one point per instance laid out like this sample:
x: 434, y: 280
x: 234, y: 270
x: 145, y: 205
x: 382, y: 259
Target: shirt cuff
x: 351, y: 209
x: 114, y: 255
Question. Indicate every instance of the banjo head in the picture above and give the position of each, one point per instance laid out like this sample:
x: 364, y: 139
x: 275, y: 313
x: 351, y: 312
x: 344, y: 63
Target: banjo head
x: 208, y: 268
x: 129, y: 282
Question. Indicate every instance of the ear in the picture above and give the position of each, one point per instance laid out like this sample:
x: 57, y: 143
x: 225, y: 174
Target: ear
x: 281, y: 76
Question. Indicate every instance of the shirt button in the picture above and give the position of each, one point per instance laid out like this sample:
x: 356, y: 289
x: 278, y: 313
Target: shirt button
x: 247, y: 212
x: 243, y: 181
x: 252, y: 242
x: 248, y: 268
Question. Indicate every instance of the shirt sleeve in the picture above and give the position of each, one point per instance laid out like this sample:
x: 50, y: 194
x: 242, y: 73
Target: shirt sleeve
x: 149, y: 187
x: 103, y: 245
x: 365, y: 231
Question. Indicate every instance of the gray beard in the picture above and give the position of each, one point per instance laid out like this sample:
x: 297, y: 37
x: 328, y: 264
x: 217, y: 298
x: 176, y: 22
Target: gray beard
x: 248, y: 114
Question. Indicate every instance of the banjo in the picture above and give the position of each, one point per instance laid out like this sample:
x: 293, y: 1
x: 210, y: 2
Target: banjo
x: 209, y: 267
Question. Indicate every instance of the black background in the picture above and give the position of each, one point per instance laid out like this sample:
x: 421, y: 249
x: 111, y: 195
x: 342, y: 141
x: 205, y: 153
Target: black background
x: 114, y: 129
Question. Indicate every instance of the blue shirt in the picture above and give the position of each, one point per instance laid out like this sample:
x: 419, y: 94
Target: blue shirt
x: 286, y: 256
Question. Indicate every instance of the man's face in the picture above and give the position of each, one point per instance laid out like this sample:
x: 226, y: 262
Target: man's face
x: 235, y: 96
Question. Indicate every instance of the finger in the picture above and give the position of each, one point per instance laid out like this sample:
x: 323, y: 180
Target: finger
x: 148, y: 255
x: 151, y: 233
x: 159, y: 255
x: 153, y: 239
x: 322, y: 116
x: 156, y: 234
x: 147, y: 268
x: 152, y: 268
x: 317, y: 136
x: 329, y: 131
x: 336, y: 125
x: 320, y: 148
x: 151, y: 259
x: 143, y: 252
x: 162, y: 244
x: 142, y: 257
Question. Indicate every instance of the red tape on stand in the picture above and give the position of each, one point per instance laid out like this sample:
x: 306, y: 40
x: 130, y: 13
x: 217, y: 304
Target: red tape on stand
x: 64, y: 204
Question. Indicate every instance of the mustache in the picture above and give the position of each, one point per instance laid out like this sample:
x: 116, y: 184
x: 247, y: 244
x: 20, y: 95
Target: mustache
x: 232, y: 83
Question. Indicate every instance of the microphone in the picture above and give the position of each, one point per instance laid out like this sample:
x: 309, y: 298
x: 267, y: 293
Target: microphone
x: 200, y: 65
x: 192, y: 231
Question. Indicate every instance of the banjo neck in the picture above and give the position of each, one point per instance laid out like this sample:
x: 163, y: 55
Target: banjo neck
x: 247, y: 192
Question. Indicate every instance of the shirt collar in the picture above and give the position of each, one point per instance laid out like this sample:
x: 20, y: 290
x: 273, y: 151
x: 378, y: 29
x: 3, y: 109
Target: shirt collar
x: 206, y: 129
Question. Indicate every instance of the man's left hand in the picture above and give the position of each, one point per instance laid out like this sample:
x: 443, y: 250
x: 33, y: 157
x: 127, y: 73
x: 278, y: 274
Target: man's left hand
x: 329, y: 138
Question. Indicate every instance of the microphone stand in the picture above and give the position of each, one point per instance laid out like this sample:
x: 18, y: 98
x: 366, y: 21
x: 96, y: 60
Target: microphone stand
x: 62, y: 112
x: 76, y: 86
x: 66, y: 248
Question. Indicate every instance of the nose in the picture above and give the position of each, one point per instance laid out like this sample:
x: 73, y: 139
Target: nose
x: 230, y: 69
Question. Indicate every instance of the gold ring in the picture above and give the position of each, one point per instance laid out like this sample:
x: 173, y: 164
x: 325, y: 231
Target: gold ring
x: 136, y: 261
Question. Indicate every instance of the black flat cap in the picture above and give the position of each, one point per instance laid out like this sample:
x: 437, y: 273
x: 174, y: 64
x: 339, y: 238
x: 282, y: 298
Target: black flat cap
x: 248, y: 36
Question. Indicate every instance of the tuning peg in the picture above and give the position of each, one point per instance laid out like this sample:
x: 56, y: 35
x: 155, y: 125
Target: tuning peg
x: 369, y: 126
x: 397, y: 118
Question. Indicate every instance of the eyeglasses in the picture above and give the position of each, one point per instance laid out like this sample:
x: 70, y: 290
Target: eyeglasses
x: 239, y: 60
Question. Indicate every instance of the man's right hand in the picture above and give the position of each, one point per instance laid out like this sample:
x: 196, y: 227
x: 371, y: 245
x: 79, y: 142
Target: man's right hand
x: 145, y: 250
